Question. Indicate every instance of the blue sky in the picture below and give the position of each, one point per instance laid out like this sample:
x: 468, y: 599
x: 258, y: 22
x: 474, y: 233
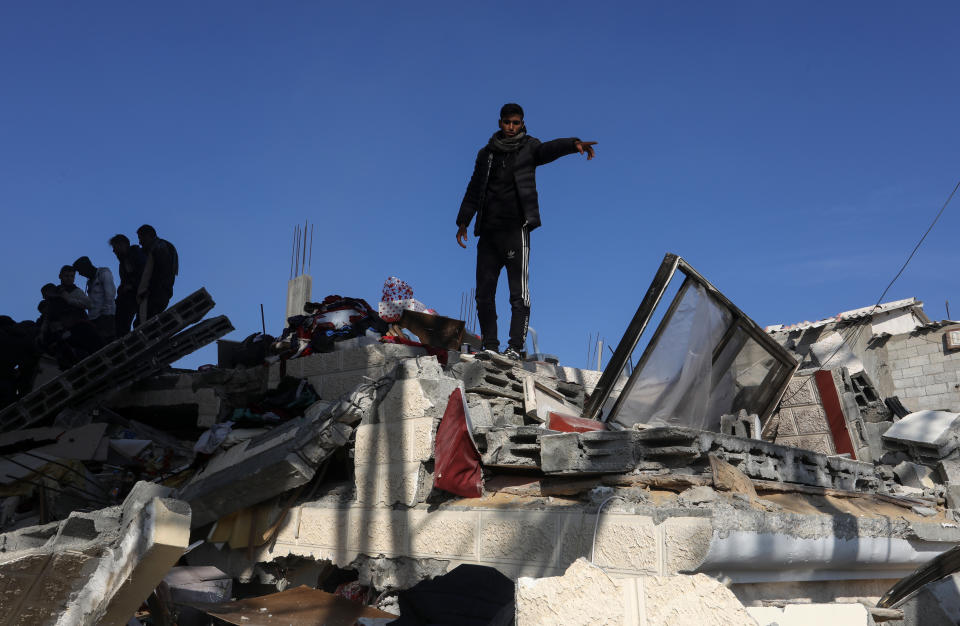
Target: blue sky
x: 792, y: 152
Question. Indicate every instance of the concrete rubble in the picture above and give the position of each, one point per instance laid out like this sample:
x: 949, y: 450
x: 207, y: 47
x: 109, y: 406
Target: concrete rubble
x: 800, y: 501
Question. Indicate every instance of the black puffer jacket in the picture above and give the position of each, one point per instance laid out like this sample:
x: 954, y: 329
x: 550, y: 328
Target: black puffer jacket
x: 532, y: 154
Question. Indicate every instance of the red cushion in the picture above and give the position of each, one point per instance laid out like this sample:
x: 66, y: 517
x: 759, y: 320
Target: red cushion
x: 457, y: 462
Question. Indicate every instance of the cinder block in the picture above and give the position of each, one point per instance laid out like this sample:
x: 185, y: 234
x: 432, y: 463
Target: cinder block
x: 627, y: 543
x: 391, y: 442
x: 686, y: 543
x: 525, y: 537
x: 451, y: 534
x: 929, y: 348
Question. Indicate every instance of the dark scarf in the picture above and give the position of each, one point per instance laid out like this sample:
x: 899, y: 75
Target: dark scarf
x: 501, y: 143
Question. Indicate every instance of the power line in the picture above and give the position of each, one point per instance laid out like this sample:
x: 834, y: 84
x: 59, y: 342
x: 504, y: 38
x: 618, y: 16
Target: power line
x: 860, y: 327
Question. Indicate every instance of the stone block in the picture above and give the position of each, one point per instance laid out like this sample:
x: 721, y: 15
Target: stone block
x: 391, y: 483
x: 627, y: 543
x: 911, y: 371
x: 933, y: 368
x: 333, y: 386
x: 525, y: 537
x: 445, y: 534
x: 810, y: 419
x: 378, y: 355
x: 391, y: 442
x: 686, y: 543
x: 586, y: 595
x: 405, y: 400
x: 517, y: 447
x: 915, y: 361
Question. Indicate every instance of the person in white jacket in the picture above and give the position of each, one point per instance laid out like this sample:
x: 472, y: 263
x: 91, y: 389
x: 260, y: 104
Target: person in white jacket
x: 102, y: 294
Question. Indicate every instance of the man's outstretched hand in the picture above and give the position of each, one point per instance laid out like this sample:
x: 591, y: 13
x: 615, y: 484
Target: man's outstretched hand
x: 462, y: 236
x: 586, y: 146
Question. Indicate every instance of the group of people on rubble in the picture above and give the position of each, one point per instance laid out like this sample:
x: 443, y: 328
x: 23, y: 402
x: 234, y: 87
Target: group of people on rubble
x: 74, y: 323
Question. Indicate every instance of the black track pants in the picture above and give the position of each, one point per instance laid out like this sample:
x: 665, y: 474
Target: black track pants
x: 495, y: 250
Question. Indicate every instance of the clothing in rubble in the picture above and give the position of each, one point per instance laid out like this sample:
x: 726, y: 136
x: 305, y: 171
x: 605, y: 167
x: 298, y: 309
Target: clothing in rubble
x: 335, y: 319
x: 502, y: 193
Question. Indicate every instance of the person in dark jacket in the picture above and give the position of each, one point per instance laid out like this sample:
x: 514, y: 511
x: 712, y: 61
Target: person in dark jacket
x: 502, y: 193
x: 159, y: 274
x: 132, y: 261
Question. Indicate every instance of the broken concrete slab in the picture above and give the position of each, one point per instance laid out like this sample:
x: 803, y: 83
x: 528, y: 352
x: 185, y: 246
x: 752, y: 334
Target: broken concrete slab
x: 914, y: 475
x: 926, y: 435
x: 252, y: 471
x: 586, y: 595
x: 92, y: 568
x: 198, y: 584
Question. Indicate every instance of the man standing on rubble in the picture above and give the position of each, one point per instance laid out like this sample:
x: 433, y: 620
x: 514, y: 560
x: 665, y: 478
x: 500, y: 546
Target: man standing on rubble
x: 503, y: 194
x: 159, y: 274
x: 102, y: 296
x: 132, y: 261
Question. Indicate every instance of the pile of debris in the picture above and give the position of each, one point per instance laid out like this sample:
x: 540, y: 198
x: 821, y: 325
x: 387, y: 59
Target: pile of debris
x: 719, y: 474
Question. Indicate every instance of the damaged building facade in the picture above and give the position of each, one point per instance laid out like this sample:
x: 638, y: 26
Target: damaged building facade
x: 714, y: 473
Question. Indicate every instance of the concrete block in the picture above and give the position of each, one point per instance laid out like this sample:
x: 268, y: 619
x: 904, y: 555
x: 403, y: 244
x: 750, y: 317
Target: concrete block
x: 932, y: 368
x: 935, y: 432
x: 391, y: 442
x: 835, y: 614
x: 686, y: 543
x: 517, y: 446
x: 285, y: 457
x: 594, y: 452
x: 936, y: 604
x: 525, y: 537
x: 915, y: 361
x: 445, y: 534
x: 315, y: 364
x: 934, y: 389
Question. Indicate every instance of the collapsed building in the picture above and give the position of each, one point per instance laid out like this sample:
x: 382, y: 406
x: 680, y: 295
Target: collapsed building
x: 715, y: 472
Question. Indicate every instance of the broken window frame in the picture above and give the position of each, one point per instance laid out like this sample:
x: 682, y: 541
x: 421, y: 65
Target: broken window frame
x: 651, y: 301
